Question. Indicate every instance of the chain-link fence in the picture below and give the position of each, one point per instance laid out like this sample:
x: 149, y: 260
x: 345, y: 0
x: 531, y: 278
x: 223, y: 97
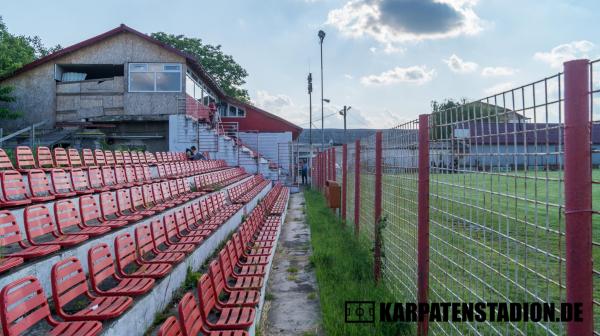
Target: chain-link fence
x: 489, y: 201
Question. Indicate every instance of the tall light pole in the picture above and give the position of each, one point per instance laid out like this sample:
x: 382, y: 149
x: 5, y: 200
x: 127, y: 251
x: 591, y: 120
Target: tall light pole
x: 321, y: 38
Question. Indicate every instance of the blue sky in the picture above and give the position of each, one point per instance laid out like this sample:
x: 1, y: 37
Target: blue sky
x: 386, y: 58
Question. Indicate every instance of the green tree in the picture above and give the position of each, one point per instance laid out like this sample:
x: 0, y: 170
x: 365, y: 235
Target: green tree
x: 222, y: 67
x: 6, y: 97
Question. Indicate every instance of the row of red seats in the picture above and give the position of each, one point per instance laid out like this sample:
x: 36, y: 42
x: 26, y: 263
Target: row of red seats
x: 244, y: 192
x: 230, y: 291
x: 43, y: 235
x: 218, y: 181
x: 61, y: 184
x: 157, y: 247
x: 46, y: 159
x: 280, y: 203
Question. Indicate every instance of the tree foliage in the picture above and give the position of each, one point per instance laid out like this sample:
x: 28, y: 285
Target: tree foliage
x: 16, y: 51
x: 222, y: 67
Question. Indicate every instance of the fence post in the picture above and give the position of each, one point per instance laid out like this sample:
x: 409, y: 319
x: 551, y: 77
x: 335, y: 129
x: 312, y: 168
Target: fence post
x: 578, y: 194
x: 344, y: 179
x: 333, y: 172
x: 378, y: 207
x: 423, y: 221
x: 357, y: 188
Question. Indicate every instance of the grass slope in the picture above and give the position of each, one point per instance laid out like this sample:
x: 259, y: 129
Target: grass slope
x: 344, y: 269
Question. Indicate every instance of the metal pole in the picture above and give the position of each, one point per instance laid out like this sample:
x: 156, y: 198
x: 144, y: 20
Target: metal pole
x: 344, y: 179
x: 357, y: 187
x: 378, y: 208
x: 345, y: 135
x: 310, y: 109
x: 322, y: 107
x: 32, y: 136
x: 1, y: 136
x: 423, y: 221
x: 578, y: 194
x: 333, y: 168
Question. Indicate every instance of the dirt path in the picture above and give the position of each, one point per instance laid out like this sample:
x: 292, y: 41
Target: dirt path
x: 292, y: 306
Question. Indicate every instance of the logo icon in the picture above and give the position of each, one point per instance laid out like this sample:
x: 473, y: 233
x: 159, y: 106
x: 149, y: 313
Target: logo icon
x: 360, y: 311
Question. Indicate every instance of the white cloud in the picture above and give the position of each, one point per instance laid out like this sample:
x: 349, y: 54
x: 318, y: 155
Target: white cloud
x: 498, y: 71
x: 499, y: 88
x: 279, y: 104
x: 348, y: 76
x: 414, y: 75
x: 565, y: 52
x: 390, y: 22
x: 456, y: 64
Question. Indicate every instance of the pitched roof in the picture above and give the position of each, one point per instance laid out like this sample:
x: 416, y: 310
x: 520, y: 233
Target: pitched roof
x: 191, y: 60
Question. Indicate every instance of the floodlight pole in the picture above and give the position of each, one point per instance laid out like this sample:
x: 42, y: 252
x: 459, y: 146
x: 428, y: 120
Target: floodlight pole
x: 321, y: 37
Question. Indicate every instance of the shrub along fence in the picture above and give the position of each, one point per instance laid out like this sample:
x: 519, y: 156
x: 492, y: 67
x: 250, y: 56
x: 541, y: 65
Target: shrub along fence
x: 487, y: 201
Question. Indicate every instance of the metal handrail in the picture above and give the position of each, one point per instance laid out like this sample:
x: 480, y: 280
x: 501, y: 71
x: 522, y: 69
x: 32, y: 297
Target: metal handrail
x: 21, y: 131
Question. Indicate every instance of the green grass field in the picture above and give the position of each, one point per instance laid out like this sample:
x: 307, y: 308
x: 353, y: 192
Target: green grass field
x: 493, y: 237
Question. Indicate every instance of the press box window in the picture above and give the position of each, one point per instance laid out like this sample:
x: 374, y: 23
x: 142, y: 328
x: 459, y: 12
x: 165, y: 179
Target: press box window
x: 154, y: 77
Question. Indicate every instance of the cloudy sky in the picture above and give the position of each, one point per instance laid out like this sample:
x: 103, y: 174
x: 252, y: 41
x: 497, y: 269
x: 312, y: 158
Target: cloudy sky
x: 386, y: 58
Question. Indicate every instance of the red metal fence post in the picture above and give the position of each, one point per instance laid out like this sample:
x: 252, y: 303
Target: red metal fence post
x: 333, y: 172
x: 357, y: 188
x: 423, y: 221
x: 344, y: 179
x: 578, y: 194
x: 378, y: 207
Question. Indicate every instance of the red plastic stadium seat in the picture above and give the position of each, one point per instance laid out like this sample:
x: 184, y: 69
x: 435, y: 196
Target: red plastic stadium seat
x: 69, y: 284
x: 7, y: 263
x: 119, y: 158
x: 163, y: 244
x: 170, y: 328
x: 228, y: 259
x: 39, y: 225
x: 110, y: 159
x: 125, y: 208
x: 39, y: 185
x: 61, y: 158
x: 109, y: 178
x: 226, y: 317
x: 192, y: 320
x: 126, y: 158
x: 67, y: 219
x: 241, y: 281
x: 121, y: 178
x: 149, y: 202
x: 137, y: 202
x: 80, y: 181
x: 147, y: 250
x: 110, y: 209
x: 61, y: 181
x: 24, y: 304
x: 5, y: 163
x: 25, y: 159
x: 88, y: 158
x: 126, y: 252
x: 150, y: 159
x: 131, y: 176
x: 96, y: 180
x: 231, y: 298
x: 135, y: 158
x: 91, y: 214
x: 11, y: 241
x: 44, y: 159
x: 14, y: 192
x: 99, y: 157
x: 102, y: 267
x: 173, y: 233
x: 74, y: 158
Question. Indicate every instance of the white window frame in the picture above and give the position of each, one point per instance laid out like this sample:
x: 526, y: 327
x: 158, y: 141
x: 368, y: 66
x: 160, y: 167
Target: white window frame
x: 237, y: 109
x: 164, y: 65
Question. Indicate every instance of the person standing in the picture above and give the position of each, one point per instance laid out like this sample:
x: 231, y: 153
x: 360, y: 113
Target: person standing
x: 304, y: 172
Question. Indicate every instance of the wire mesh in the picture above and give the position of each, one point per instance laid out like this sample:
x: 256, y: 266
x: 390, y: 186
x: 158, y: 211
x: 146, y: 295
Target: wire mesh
x: 595, y: 152
x: 367, y: 187
x: 350, y: 183
x: 399, y: 205
x: 496, y: 199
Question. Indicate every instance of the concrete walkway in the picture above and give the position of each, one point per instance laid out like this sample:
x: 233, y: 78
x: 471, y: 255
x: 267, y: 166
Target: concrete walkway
x: 292, y: 306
